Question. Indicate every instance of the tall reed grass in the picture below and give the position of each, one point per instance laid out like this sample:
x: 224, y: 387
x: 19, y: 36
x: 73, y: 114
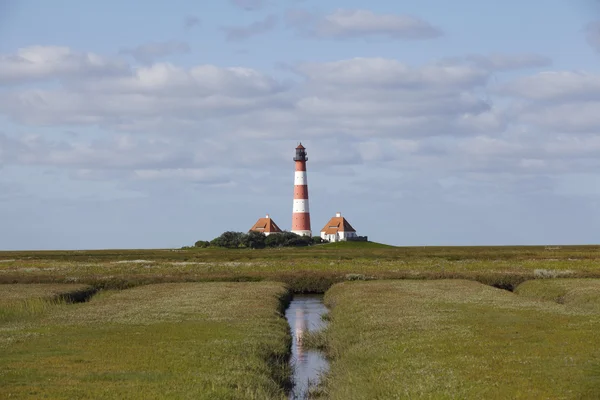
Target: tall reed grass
x: 28, y: 308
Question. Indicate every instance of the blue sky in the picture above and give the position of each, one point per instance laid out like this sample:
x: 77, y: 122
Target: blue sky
x: 155, y: 124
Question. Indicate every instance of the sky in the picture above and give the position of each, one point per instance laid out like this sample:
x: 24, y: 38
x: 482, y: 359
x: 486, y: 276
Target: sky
x: 156, y: 124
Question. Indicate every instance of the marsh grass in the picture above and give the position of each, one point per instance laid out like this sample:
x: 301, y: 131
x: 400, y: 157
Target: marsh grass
x: 456, y: 339
x: 150, y: 332
x: 305, y: 270
x: 23, y: 301
x: 15, y: 292
x: 184, y: 340
x: 583, y: 294
x: 315, y: 340
x: 317, y: 388
x: 27, y: 308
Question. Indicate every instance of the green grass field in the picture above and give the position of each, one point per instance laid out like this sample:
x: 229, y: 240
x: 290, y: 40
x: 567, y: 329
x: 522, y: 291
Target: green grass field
x: 185, y: 340
x: 20, y: 301
x: 457, y: 339
x: 10, y: 293
x: 304, y: 269
x: 206, y: 323
x: 580, y: 294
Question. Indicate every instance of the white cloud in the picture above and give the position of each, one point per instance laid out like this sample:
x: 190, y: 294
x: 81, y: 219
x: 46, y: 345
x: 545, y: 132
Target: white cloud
x: 344, y: 23
x: 556, y: 101
x: 355, y: 97
x: 196, y: 175
x: 573, y: 146
x: 53, y: 62
x: 566, y: 117
x: 485, y: 146
x: 119, y: 152
x: 158, y: 90
x: 384, y: 73
x: 358, y: 111
x: 554, y: 85
x: 506, y: 62
x: 380, y: 97
x: 201, y: 80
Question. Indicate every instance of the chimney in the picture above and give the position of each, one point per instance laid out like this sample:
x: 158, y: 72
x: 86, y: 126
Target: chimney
x: 268, y: 216
x: 338, y: 214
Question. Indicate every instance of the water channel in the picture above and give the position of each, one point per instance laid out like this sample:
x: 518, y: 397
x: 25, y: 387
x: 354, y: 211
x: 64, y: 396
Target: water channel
x: 304, y: 314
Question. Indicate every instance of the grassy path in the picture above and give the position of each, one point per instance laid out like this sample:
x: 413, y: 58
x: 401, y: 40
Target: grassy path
x: 196, y: 340
x: 457, y: 339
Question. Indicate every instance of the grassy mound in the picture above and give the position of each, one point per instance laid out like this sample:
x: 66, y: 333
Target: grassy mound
x: 183, y: 341
x: 456, y: 339
x: 357, y: 245
x: 577, y: 293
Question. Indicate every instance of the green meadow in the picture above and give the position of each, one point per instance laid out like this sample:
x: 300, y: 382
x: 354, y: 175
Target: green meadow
x: 457, y: 339
x: 182, y: 340
x: 576, y: 294
x: 19, y: 301
x: 404, y: 322
x: 313, y: 268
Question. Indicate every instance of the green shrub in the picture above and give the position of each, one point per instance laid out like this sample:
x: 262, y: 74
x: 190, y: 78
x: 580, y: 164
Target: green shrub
x: 229, y: 239
x: 275, y: 240
x: 291, y: 239
x: 255, y: 240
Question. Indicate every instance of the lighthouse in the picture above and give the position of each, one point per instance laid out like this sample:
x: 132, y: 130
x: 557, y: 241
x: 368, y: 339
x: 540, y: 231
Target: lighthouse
x: 301, y: 213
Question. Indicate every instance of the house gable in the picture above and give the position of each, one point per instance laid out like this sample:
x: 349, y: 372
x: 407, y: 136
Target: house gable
x: 337, y: 224
x: 265, y: 225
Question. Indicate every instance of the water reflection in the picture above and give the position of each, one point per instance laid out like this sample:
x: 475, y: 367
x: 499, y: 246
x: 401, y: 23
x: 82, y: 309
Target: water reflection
x: 304, y: 314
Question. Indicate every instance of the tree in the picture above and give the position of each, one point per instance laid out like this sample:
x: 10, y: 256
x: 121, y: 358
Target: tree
x: 255, y: 240
x: 229, y: 239
x: 275, y: 240
x: 287, y: 239
x: 292, y: 239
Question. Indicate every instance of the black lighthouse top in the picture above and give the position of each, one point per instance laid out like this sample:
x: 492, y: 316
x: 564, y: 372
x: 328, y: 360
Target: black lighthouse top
x: 300, y: 153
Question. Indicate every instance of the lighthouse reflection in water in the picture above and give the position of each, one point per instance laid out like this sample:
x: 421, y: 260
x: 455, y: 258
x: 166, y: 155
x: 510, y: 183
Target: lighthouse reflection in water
x: 304, y: 314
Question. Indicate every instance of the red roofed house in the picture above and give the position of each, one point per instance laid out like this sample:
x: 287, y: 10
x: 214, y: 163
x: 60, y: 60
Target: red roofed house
x: 338, y: 229
x: 265, y: 225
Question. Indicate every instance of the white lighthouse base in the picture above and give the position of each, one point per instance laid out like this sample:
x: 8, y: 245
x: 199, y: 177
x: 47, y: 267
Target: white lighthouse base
x: 303, y: 233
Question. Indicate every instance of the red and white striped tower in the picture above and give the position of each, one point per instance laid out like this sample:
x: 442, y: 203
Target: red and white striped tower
x: 301, y: 214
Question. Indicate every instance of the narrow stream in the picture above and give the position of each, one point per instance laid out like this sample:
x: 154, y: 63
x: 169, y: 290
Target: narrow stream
x: 304, y: 314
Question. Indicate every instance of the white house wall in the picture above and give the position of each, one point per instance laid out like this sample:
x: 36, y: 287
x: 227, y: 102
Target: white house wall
x: 340, y: 236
